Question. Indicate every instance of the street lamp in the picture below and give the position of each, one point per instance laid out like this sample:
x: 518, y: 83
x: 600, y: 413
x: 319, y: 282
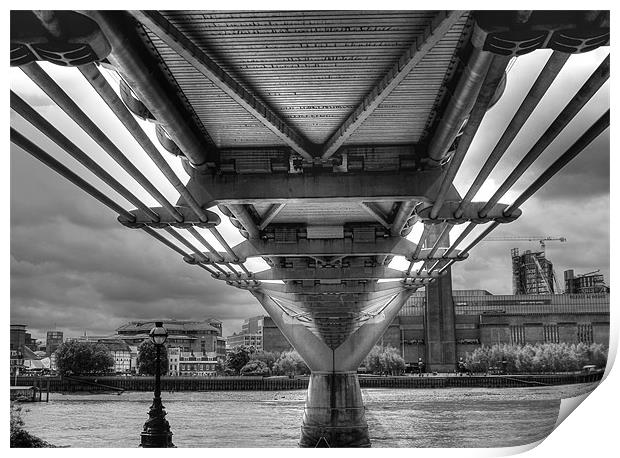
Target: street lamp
x: 156, y: 432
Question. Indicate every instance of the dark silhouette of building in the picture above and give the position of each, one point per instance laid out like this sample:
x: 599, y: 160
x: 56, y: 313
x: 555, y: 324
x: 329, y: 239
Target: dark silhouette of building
x: 53, y: 340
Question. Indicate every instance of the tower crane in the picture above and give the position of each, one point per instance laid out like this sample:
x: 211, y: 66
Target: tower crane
x: 540, y: 239
x: 532, y: 238
x: 589, y: 273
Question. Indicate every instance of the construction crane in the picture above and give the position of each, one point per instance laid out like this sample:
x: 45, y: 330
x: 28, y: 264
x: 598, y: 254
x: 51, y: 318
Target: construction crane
x: 540, y: 239
x: 589, y: 273
x: 533, y: 238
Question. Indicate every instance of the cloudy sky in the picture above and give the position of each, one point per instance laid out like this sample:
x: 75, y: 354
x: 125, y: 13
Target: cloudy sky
x: 74, y: 268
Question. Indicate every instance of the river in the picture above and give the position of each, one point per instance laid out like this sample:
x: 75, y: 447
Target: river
x: 456, y: 417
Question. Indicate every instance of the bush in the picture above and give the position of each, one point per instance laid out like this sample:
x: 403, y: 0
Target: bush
x: 384, y: 360
x: 547, y: 357
x: 255, y: 367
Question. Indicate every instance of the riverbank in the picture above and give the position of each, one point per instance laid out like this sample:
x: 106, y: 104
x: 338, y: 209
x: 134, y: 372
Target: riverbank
x: 429, y: 381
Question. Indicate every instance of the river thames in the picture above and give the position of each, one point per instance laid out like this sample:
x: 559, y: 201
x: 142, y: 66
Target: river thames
x: 472, y: 417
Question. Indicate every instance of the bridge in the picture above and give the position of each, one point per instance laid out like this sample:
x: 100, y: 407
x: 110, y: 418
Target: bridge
x: 325, y: 138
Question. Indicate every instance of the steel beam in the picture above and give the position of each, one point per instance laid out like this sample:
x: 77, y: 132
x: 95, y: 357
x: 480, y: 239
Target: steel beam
x: 270, y: 215
x: 460, y: 104
x: 440, y: 25
x: 243, y: 216
x: 140, y: 70
x: 325, y: 247
x: 376, y: 213
x: 334, y: 289
x: 316, y: 248
x: 336, y: 273
x: 489, y: 87
x: 402, y: 216
x: 198, y: 59
x: 215, y: 189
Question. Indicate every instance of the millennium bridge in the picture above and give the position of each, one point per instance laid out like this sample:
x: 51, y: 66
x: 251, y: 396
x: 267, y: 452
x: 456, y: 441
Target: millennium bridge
x: 325, y: 138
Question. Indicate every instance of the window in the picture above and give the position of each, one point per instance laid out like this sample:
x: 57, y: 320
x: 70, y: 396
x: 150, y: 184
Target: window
x: 585, y: 333
x: 551, y: 333
x: 517, y: 334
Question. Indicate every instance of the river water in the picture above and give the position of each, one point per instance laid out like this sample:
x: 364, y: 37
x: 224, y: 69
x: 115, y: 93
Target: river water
x: 455, y: 417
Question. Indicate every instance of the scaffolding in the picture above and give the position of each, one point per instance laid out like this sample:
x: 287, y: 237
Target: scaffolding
x: 532, y: 273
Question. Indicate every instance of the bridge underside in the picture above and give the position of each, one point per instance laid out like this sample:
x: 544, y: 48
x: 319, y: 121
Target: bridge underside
x: 324, y: 137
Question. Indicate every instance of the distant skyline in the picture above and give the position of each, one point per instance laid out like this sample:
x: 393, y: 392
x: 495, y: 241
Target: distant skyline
x: 72, y: 264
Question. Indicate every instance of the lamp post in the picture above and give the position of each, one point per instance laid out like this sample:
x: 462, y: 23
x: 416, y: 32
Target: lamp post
x: 156, y: 432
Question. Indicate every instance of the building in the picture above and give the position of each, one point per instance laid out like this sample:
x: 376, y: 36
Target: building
x: 184, y: 363
x: 53, y: 340
x: 481, y: 318
x: 589, y: 283
x: 191, y: 364
x: 251, y: 334
x: 190, y: 336
x: 121, y: 353
x: 174, y: 356
x: 532, y: 273
x: 18, y: 342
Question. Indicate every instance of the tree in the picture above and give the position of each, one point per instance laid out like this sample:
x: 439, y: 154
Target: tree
x: 147, y: 356
x: 267, y: 357
x: 80, y: 358
x: 290, y: 363
x: 237, y: 358
x: 382, y: 360
x: 255, y: 367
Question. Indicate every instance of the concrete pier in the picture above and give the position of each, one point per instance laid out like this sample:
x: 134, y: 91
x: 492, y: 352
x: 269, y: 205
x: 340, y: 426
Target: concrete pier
x: 334, y: 412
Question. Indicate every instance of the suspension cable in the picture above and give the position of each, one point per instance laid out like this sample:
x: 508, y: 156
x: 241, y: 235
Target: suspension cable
x: 105, y: 91
x: 62, y: 99
x: 28, y: 113
x: 585, y: 93
x: 540, y: 87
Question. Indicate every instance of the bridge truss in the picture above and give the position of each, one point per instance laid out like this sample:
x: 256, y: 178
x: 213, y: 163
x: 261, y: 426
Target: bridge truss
x: 323, y: 136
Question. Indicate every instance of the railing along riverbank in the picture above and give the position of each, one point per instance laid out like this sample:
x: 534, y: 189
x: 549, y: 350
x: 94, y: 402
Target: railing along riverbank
x: 98, y: 384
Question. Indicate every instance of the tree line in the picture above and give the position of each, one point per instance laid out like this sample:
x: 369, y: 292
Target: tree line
x: 245, y: 360
x: 84, y: 358
x: 90, y: 358
x: 538, y: 358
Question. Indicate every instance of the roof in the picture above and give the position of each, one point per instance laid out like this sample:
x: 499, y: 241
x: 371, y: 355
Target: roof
x: 29, y: 354
x: 170, y: 325
x: 115, y: 345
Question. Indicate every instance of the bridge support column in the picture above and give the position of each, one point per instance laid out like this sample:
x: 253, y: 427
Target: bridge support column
x: 334, y: 413
x: 439, y: 325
